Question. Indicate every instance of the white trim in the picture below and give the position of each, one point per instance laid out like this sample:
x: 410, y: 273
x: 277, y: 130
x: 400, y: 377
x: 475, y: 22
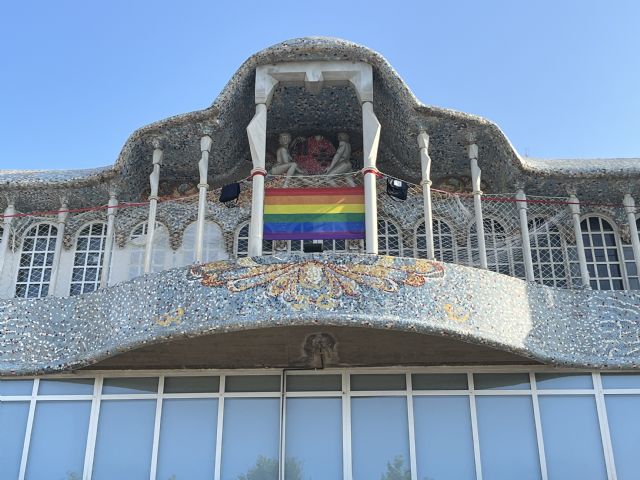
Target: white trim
x: 474, y: 426
x: 412, y: 432
x: 156, y: 430
x: 603, y: 422
x: 536, y: 417
x: 93, y: 429
x: 347, y: 467
x: 27, y: 433
x: 219, y: 426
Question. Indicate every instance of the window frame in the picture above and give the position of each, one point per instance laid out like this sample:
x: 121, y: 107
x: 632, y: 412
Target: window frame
x: 52, y: 228
x: 621, y: 262
x: 101, y: 253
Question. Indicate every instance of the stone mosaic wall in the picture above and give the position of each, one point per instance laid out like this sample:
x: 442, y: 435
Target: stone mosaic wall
x: 573, y: 328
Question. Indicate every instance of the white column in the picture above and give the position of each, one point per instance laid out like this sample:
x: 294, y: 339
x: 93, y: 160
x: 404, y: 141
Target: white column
x: 63, y: 213
x: 6, y: 232
x: 257, y: 132
x: 370, y: 141
x: 524, y: 232
x: 108, y: 244
x: 425, y: 164
x: 203, y: 186
x: 630, y: 207
x: 574, y: 206
x: 477, y: 204
x: 154, y: 180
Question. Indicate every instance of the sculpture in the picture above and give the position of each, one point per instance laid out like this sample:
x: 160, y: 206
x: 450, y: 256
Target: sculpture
x: 284, y: 162
x: 341, y: 162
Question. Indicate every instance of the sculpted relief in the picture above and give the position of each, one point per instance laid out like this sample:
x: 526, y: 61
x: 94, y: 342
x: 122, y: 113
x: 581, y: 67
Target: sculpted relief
x: 312, y: 156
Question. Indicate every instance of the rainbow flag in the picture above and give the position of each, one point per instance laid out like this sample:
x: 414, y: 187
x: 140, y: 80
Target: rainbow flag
x: 313, y: 213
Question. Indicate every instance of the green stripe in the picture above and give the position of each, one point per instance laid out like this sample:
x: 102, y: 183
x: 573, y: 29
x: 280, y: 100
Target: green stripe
x: 313, y: 217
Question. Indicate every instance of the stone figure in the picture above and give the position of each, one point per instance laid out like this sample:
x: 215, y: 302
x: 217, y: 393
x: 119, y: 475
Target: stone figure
x: 284, y: 162
x: 341, y: 162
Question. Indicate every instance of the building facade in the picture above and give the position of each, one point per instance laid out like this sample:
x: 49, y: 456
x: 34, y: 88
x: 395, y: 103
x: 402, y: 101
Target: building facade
x: 395, y: 293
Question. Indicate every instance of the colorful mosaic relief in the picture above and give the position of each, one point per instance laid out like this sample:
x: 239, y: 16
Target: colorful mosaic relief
x: 312, y: 282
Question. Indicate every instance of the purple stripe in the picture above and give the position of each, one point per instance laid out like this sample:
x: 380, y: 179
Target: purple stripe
x: 313, y: 235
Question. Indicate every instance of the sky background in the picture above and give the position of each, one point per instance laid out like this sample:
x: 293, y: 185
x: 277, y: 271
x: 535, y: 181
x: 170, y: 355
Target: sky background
x: 560, y: 77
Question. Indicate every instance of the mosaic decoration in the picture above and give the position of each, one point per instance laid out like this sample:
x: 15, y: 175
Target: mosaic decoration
x: 581, y: 328
x: 313, y: 282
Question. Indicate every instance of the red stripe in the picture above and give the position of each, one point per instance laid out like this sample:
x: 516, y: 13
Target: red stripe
x: 314, y: 191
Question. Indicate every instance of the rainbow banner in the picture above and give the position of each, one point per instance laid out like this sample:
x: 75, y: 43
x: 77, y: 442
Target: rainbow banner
x: 313, y: 213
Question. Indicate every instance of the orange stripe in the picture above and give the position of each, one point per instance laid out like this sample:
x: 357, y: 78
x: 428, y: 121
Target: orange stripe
x: 314, y: 199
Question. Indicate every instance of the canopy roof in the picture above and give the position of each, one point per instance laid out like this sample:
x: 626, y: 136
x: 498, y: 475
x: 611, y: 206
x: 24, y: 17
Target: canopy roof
x: 327, y: 112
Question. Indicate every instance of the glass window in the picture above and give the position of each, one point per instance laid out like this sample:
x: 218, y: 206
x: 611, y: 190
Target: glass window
x: 620, y: 380
x: 439, y: 381
x: 191, y: 384
x: 623, y: 413
x: 128, y: 385
x: 66, y: 386
x: 213, y: 244
x: 498, y: 247
x: 187, y: 439
x: 250, y: 439
x: 444, y: 242
x: 507, y: 436
x: 313, y: 451
x: 87, y: 261
x: 242, y: 243
x: 252, y: 383
x: 36, y: 261
x: 373, y: 382
x: 444, y: 442
x: 13, y: 425
x: 379, y: 438
x: 124, y: 439
x: 160, y: 258
x: 16, y: 387
x: 501, y: 381
x: 58, y: 439
x: 604, y: 265
x: 572, y: 441
x: 314, y: 383
x: 550, y: 381
x: 389, y: 238
x: 547, y: 253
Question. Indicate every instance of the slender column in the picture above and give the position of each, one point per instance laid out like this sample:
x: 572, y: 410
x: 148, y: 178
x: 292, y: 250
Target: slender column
x: 574, y: 206
x: 63, y: 213
x: 6, y: 232
x: 425, y: 164
x: 477, y: 204
x: 524, y: 232
x: 154, y: 180
x: 203, y: 186
x: 257, y: 132
x: 370, y: 141
x: 108, y: 244
x: 630, y: 207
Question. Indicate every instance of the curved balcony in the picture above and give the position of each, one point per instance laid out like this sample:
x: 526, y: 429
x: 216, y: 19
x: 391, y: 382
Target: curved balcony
x: 550, y: 325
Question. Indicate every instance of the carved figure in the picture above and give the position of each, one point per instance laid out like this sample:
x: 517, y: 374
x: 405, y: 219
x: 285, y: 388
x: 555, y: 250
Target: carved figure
x: 284, y: 162
x: 341, y: 162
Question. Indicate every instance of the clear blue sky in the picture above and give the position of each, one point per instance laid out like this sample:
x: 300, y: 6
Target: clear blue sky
x: 560, y: 77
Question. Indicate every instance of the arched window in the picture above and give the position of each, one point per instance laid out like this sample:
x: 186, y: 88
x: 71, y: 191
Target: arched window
x: 389, y: 238
x: 212, y: 247
x: 601, y: 250
x: 36, y: 261
x: 137, y: 241
x: 547, y: 253
x: 87, y: 261
x: 241, y: 244
x: 444, y: 242
x: 499, y: 254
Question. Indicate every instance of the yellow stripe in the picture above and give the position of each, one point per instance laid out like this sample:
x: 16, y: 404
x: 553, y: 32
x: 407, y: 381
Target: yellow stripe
x: 314, y: 208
